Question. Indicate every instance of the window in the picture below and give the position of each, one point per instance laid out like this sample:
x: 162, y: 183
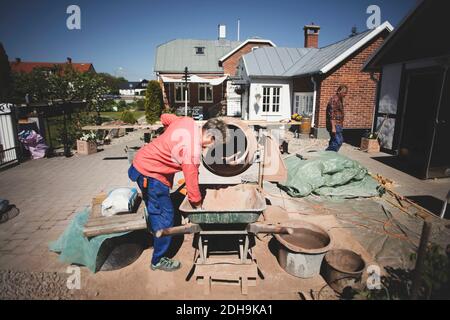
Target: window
x: 254, y: 48
x: 205, y: 92
x: 179, y: 92
x: 199, y: 50
x: 276, y: 99
x: 266, y: 99
x: 271, y: 99
x: 303, y: 103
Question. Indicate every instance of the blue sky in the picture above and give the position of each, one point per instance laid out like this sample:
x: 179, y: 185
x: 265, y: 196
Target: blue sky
x: 120, y: 37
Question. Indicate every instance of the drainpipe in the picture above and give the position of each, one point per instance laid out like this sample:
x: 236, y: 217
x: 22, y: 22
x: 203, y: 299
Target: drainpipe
x: 374, y: 79
x: 314, y: 101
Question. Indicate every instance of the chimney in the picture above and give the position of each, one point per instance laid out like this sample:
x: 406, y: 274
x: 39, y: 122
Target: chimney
x: 222, y: 31
x: 18, y: 60
x: 69, y: 60
x: 311, y: 36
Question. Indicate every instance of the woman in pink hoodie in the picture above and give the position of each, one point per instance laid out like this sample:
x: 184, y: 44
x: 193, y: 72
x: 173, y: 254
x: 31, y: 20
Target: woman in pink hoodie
x: 179, y: 148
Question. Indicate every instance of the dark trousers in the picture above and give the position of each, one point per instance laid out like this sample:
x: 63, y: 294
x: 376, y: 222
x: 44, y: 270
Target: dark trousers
x: 160, y: 211
x: 336, y: 139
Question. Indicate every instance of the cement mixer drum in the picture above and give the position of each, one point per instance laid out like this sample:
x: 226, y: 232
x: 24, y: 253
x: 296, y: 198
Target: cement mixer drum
x: 234, y: 156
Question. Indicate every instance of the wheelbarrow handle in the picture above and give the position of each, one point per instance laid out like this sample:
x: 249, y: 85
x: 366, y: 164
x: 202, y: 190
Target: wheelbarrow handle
x: 256, y: 228
x: 184, y: 229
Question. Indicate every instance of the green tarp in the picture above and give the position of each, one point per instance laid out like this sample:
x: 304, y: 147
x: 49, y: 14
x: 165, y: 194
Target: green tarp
x: 75, y: 248
x: 328, y: 174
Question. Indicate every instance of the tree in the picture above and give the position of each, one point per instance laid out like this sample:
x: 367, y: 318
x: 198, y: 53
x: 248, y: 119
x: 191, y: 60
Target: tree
x: 113, y: 83
x: 5, y: 75
x: 153, y: 102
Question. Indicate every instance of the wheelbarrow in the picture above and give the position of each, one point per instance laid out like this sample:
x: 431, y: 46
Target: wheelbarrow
x: 239, y: 224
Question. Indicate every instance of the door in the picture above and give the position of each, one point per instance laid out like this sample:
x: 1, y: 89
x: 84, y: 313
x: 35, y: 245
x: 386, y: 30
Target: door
x: 303, y: 103
x: 423, y: 90
x: 233, y: 101
x: 439, y: 164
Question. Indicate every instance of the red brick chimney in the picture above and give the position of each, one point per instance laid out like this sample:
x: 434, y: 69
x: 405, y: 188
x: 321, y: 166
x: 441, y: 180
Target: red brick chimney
x: 311, y: 36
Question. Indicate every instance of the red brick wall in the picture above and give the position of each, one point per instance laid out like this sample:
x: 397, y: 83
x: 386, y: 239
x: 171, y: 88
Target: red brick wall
x: 360, y: 101
x: 231, y: 63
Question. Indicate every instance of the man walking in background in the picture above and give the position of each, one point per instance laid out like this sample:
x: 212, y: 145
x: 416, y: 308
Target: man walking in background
x: 335, y: 119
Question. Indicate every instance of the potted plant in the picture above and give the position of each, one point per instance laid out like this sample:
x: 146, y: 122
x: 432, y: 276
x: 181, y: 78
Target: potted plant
x: 370, y: 143
x: 87, y: 143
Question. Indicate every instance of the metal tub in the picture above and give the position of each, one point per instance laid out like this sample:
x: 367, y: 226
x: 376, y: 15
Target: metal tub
x: 238, y: 216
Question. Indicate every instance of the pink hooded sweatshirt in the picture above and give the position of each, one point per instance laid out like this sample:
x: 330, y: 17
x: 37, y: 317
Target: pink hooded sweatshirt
x: 177, y: 149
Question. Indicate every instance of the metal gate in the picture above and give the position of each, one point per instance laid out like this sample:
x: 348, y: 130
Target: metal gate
x: 9, y: 146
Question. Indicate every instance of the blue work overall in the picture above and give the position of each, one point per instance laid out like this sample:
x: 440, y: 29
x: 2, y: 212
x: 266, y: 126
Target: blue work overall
x: 160, y: 213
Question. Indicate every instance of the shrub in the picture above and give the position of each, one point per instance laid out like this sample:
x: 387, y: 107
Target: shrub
x: 153, y: 102
x: 128, y: 117
x: 140, y: 105
x: 122, y: 105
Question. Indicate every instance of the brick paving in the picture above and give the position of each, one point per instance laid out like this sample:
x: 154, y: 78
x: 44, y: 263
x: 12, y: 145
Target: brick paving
x: 48, y: 192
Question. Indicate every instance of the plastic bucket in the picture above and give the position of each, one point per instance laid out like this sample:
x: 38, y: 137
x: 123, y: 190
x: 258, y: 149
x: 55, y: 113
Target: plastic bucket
x: 343, y: 268
x: 301, y: 253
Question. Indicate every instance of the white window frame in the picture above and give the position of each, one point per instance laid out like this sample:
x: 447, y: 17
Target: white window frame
x: 181, y: 85
x: 202, y: 53
x: 204, y: 86
x: 304, y: 98
x: 271, y: 100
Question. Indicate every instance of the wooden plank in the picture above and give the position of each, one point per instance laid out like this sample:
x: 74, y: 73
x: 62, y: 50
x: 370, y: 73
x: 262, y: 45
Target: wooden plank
x: 114, y: 219
x: 98, y: 224
x: 227, y: 271
x: 111, y: 127
x: 234, y: 282
x: 115, y: 228
x: 96, y: 210
x: 243, y: 275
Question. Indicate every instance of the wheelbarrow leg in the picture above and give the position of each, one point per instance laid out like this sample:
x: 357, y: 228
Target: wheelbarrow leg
x: 200, y: 249
x: 245, y: 253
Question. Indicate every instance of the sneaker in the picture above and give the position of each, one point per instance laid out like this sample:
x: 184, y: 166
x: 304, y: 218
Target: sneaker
x: 166, y: 264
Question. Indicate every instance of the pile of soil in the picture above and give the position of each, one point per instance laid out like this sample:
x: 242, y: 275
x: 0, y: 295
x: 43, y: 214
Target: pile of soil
x: 34, y: 285
x: 240, y: 197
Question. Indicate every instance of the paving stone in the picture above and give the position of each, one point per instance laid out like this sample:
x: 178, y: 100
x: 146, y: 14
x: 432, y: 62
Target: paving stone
x: 19, y: 236
x: 11, y: 245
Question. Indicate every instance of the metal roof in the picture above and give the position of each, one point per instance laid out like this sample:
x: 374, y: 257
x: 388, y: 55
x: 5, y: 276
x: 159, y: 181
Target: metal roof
x: 269, y: 61
x: 175, y: 55
x: 289, y: 62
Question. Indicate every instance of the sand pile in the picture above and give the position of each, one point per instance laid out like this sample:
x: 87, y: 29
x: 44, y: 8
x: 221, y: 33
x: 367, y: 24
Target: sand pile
x: 232, y: 198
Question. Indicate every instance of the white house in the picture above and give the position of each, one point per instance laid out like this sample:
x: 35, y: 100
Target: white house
x: 133, y: 88
x: 277, y: 82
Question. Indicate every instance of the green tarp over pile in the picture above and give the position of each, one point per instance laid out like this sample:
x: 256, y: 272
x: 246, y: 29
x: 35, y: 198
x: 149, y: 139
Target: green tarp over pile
x: 328, y: 174
x: 75, y: 248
